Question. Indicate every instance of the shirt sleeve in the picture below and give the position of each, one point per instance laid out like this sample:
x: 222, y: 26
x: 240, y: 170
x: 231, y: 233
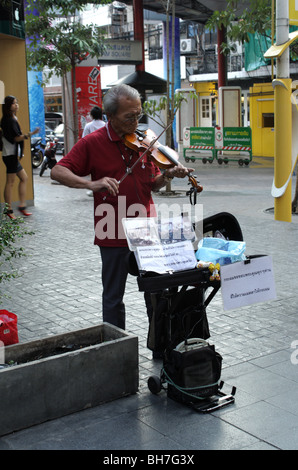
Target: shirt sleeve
x: 78, y: 159
x: 11, y: 129
x: 86, y: 130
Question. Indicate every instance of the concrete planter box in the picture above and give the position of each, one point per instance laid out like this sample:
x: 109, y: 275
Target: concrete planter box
x: 49, y: 383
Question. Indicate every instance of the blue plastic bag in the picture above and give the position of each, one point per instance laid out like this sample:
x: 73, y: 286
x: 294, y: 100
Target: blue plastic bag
x: 218, y: 250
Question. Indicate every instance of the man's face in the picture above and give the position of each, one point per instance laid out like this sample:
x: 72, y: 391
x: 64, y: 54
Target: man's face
x: 125, y: 121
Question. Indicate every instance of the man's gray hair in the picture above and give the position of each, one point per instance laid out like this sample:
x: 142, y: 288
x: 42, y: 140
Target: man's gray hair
x: 111, y: 98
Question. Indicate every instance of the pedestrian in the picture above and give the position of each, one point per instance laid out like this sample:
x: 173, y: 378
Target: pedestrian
x: 12, y: 151
x: 105, y: 157
x: 96, y: 123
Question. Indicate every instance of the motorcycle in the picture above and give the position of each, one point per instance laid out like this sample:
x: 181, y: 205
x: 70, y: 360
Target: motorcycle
x: 49, y: 159
x: 37, y: 151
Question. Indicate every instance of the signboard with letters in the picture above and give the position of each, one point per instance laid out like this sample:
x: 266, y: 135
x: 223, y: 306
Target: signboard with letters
x: 236, y: 138
x: 121, y: 52
x: 89, y: 92
x: 247, y: 282
x: 202, y: 137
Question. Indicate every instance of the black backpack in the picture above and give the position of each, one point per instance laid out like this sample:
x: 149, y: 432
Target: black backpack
x: 1, y: 143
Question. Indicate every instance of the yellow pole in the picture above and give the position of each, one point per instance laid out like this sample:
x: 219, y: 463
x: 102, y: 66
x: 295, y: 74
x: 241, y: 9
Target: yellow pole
x: 283, y: 148
x: 272, y: 34
x: 283, y: 118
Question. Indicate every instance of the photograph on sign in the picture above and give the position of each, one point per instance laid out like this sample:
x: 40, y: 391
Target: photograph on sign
x: 161, y: 245
x: 247, y: 282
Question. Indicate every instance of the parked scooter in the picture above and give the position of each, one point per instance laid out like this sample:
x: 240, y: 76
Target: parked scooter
x: 49, y: 160
x: 37, y: 151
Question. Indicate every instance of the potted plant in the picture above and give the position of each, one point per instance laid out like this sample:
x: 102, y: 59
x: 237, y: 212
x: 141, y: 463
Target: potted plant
x: 11, y: 231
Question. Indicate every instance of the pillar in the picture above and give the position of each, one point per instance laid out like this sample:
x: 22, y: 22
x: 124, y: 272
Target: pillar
x: 138, y: 19
x: 221, y: 60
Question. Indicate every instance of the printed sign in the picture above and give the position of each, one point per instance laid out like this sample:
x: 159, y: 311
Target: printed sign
x: 121, y: 52
x: 246, y: 283
x: 88, y: 93
x: 161, y: 245
x: 237, y: 138
x: 166, y: 258
x: 202, y: 137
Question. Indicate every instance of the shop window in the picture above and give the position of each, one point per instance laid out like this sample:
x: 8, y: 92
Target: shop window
x: 268, y: 120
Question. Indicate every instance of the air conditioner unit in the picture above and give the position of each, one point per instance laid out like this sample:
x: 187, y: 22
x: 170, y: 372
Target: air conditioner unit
x: 187, y: 45
x: 236, y: 48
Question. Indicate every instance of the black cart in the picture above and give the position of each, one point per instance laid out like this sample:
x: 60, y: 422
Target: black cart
x: 179, y: 330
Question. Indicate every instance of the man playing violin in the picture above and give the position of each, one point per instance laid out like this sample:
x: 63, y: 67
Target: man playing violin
x: 104, y: 155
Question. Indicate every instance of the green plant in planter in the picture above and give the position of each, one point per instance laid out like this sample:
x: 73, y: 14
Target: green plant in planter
x: 11, y: 231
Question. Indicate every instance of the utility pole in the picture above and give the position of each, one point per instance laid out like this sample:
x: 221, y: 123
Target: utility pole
x: 282, y: 188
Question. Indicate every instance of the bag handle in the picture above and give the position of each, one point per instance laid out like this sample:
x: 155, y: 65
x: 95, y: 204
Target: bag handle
x: 197, y: 342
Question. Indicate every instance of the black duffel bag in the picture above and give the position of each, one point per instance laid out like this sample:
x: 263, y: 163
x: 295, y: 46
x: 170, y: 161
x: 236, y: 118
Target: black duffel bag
x: 192, y: 371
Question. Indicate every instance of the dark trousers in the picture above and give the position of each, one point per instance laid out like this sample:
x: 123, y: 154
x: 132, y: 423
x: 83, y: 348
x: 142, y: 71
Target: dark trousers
x: 114, y: 276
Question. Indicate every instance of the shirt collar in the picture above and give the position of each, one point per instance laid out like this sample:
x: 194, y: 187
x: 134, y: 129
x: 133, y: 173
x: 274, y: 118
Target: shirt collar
x: 113, y: 136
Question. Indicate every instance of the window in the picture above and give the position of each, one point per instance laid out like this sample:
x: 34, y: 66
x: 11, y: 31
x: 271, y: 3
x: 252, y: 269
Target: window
x: 205, y: 108
x: 268, y: 120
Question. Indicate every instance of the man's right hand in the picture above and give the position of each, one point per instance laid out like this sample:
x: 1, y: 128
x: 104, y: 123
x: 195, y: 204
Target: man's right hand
x: 65, y: 176
x: 105, y: 184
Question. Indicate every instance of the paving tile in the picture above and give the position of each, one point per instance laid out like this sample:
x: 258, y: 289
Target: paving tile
x: 288, y: 368
x: 263, y: 383
x: 195, y: 430
x: 286, y: 401
x: 262, y: 420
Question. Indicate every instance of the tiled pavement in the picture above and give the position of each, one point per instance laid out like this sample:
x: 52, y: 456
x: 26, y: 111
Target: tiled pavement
x: 60, y: 291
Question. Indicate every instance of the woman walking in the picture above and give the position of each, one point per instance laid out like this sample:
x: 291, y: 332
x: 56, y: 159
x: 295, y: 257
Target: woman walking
x: 12, y: 152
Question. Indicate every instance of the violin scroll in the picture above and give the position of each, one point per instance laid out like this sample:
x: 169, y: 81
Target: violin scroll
x: 194, y: 190
x: 195, y: 183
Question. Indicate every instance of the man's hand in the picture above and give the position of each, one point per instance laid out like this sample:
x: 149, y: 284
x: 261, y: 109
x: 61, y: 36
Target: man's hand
x: 64, y: 176
x: 106, y: 183
x: 178, y: 171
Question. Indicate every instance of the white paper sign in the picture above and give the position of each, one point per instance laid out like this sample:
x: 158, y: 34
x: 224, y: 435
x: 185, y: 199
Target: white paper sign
x: 166, y: 258
x: 246, y: 283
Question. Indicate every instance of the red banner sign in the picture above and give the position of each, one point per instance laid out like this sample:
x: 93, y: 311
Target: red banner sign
x: 88, y: 93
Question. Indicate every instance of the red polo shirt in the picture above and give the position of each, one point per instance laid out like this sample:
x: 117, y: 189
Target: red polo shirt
x: 102, y: 153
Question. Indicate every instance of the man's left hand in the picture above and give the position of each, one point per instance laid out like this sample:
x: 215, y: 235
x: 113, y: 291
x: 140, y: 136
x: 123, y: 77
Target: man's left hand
x: 178, y: 171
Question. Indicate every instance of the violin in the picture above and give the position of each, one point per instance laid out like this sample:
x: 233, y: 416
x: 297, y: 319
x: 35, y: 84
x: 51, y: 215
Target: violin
x: 163, y: 156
